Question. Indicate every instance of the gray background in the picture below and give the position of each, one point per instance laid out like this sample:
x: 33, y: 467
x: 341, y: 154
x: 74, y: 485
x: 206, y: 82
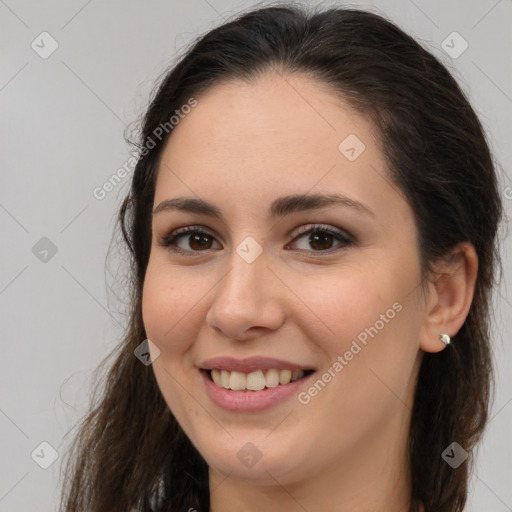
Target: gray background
x: 62, y: 121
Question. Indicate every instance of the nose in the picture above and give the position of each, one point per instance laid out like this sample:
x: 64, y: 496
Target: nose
x: 248, y: 301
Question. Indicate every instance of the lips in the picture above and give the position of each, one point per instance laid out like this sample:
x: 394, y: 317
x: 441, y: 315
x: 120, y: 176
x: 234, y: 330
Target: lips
x: 248, y: 391
x: 253, y: 374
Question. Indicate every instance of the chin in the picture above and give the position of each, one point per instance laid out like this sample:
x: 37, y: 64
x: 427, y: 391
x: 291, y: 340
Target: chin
x: 255, y: 462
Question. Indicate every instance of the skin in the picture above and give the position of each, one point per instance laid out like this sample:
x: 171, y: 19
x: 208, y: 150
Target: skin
x: 241, y: 147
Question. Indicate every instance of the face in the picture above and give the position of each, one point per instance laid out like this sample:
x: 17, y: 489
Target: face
x: 300, y: 261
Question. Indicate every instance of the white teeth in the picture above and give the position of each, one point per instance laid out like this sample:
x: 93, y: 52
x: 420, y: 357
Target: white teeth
x: 272, y: 378
x: 224, y: 379
x: 237, y: 381
x: 255, y: 381
x: 216, y: 377
x: 285, y: 376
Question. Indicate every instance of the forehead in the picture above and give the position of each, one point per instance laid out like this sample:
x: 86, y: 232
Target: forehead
x: 252, y: 141
x: 294, y: 113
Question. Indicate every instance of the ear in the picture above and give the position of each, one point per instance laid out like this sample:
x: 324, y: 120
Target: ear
x: 449, y: 296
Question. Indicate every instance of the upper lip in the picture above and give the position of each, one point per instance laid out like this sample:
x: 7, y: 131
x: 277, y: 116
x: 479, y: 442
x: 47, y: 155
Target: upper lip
x: 250, y: 364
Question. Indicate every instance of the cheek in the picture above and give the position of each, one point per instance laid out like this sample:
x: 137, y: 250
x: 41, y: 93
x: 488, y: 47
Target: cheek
x: 370, y: 318
x: 373, y: 324
x: 345, y: 303
x: 168, y: 312
x: 168, y: 307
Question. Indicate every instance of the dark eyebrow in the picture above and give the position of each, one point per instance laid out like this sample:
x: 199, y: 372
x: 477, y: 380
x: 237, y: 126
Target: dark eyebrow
x: 280, y: 207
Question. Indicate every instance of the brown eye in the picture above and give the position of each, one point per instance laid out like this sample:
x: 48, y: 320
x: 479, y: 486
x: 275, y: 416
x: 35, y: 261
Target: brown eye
x: 188, y: 240
x: 321, y: 239
x: 316, y: 239
x: 199, y: 241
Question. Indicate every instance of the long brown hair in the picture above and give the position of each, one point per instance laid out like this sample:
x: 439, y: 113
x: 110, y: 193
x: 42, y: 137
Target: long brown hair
x: 130, y: 452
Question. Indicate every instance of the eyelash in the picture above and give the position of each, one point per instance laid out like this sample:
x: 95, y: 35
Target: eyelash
x: 341, y: 236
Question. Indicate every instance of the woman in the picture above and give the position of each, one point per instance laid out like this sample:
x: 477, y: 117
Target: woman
x: 312, y: 222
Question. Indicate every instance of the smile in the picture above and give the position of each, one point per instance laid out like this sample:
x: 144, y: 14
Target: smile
x: 253, y: 384
x: 257, y: 380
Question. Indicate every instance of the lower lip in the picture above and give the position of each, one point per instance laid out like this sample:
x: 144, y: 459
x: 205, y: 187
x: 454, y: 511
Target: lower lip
x: 251, y: 401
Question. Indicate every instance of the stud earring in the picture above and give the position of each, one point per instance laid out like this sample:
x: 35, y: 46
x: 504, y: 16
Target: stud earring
x: 445, y: 338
